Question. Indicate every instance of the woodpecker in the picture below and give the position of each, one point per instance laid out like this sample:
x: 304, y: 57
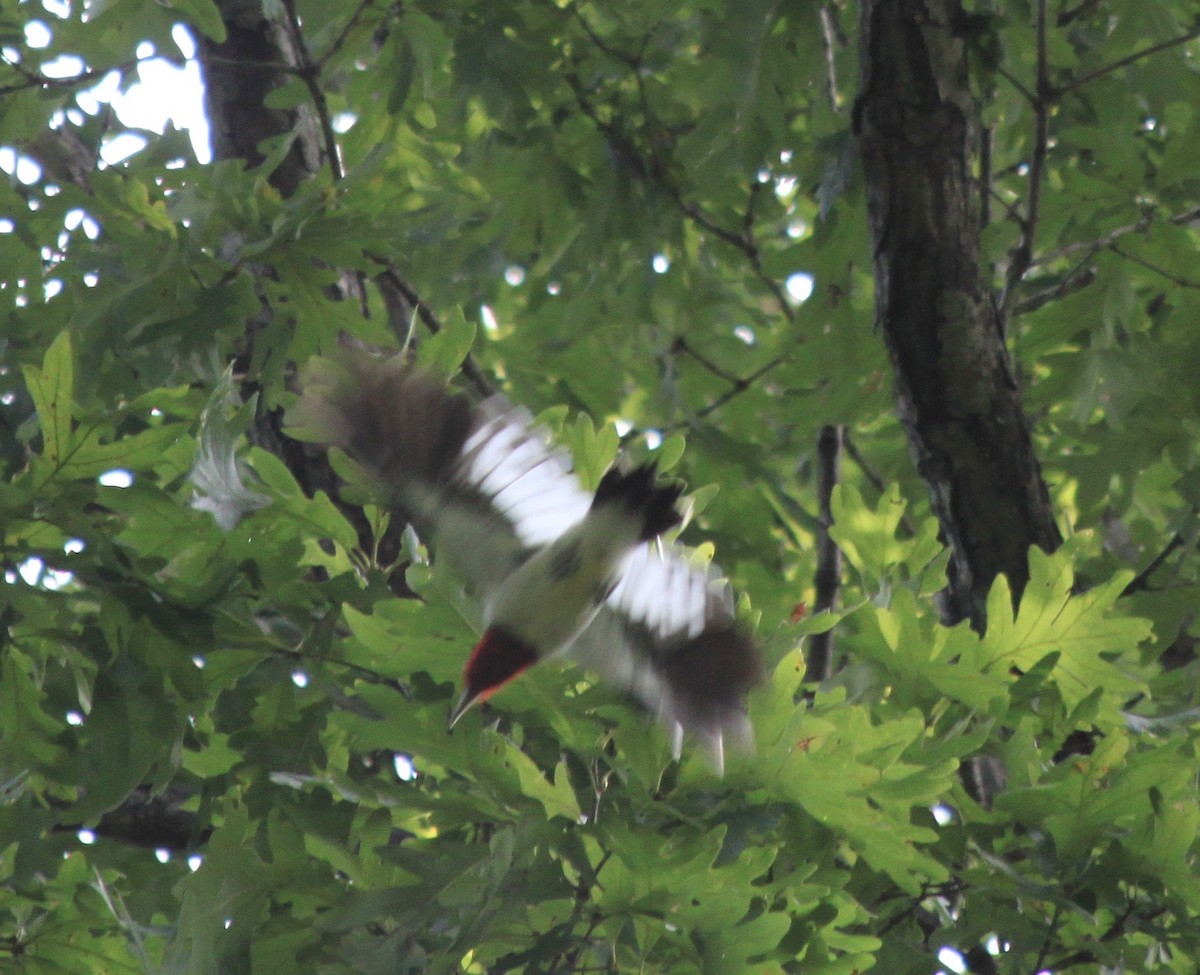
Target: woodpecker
x: 558, y: 571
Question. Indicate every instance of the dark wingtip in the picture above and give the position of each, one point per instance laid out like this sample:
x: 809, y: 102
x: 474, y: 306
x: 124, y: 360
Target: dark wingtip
x: 639, y: 493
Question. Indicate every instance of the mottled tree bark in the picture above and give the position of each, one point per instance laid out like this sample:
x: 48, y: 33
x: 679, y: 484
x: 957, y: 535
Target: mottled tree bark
x: 956, y: 394
x: 255, y: 58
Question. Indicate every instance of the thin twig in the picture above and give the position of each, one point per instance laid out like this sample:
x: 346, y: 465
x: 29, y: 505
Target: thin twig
x: 985, y: 174
x: 1060, y: 90
x: 35, y: 80
x: 391, y: 277
x: 1013, y: 80
x: 1142, y: 224
x: 1142, y: 579
x: 738, y: 384
x: 310, y: 73
x: 873, y: 477
x: 1079, y: 277
x: 1051, y: 928
x: 1022, y: 258
x: 633, y: 62
x: 1173, y: 278
x: 583, y: 896
x: 1114, y: 931
x: 343, y: 36
x: 681, y: 345
x: 739, y: 387
x: 831, y: 38
x: 651, y: 168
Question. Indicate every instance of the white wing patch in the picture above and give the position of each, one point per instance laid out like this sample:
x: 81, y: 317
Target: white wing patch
x: 671, y: 598
x: 508, y: 460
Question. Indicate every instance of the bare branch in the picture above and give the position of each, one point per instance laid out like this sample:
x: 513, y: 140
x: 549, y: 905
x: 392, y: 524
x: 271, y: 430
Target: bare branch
x: 1100, y: 243
x: 1142, y: 579
x: 391, y: 282
x: 310, y: 74
x: 738, y: 387
x: 343, y: 35
x: 832, y: 38
x: 1013, y: 80
x: 681, y: 345
x: 872, y: 476
x: 1173, y: 278
x: 828, y: 577
x: 648, y: 166
x: 1078, y: 278
x: 35, y: 80
x: 1022, y: 258
x: 1057, y: 92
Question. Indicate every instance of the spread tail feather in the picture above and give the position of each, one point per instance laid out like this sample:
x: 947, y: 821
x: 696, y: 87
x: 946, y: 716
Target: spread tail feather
x: 706, y: 681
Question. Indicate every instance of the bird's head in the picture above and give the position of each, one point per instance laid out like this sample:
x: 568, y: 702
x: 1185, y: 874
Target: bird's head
x: 498, y: 657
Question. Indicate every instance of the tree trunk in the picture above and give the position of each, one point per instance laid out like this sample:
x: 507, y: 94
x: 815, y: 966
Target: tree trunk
x: 239, y: 73
x: 957, y: 397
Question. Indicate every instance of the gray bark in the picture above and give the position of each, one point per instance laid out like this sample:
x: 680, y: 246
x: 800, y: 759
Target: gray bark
x: 955, y: 390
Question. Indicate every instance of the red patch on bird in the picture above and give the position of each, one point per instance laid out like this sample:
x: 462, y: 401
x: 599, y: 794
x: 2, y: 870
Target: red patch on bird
x: 497, y: 658
x: 799, y: 611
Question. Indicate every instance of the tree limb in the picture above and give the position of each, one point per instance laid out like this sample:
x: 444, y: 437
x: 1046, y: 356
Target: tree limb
x: 957, y: 396
x: 827, y: 582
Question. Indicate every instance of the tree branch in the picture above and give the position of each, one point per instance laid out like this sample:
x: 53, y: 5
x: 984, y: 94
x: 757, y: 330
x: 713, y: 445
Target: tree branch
x: 828, y: 577
x: 1141, y: 261
x: 1072, y: 85
x: 33, y: 79
x: 1078, y: 278
x: 650, y: 167
x: 1142, y: 580
x: 343, y: 34
x: 391, y: 282
x: 832, y: 38
x: 310, y: 74
x: 958, y: 400
x: 739, y: 387
x: 1140, y: 226
x: 1022, y: 258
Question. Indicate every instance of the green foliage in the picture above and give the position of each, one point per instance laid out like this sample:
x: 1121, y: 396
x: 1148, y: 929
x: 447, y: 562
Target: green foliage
x: 655, y: 172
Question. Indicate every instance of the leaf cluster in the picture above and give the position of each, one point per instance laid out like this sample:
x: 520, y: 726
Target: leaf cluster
x: 248, y: 718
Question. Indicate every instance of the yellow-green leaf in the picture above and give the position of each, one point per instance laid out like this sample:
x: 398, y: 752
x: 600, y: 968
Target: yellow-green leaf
x: 51, y: 389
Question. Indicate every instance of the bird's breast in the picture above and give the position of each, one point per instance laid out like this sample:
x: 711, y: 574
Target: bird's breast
x: 557, y: 591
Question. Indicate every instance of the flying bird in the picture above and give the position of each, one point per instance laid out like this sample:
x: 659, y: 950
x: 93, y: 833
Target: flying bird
x: 559, y: 571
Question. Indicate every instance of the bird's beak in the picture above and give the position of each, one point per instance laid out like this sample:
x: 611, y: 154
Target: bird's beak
x: 464, y: 704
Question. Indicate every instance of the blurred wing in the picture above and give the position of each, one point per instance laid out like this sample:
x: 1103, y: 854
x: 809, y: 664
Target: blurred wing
x: 508, y: 494
x: 668, y: 636
x: 482, y: 479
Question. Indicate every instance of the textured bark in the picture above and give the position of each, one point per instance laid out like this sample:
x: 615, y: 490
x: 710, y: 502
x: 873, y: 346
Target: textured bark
x: 957, y: 398
x: 239, y: 73
x: 255, y: 59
